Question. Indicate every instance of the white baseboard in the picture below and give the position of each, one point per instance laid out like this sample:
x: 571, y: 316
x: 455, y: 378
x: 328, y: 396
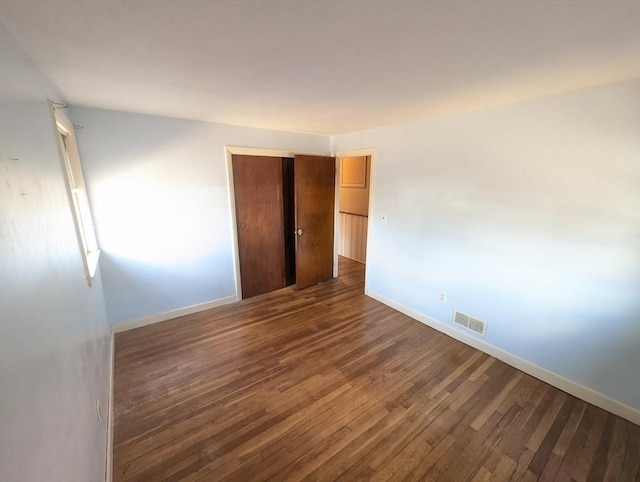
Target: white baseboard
x: 109, y: 468
x: 168, y: 315
x: 580, y: 391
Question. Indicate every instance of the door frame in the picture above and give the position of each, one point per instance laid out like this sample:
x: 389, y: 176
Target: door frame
x: 367, y: 151
x: 250, y: 151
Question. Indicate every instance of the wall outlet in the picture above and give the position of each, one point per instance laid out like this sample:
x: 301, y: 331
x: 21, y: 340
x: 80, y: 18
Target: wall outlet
x: 442, y: 296
x: 383, y: 217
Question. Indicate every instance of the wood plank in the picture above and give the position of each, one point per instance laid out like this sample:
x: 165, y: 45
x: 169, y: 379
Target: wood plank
x: 328, y: 384
x: 631, y: 467
x: 618, y: 450
x: 545, y: 448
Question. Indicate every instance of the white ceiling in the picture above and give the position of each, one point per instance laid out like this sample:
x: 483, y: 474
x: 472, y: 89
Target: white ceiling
x: 323, y: 66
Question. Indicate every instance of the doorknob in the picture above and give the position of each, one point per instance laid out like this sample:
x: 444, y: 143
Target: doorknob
x: 300, y: 232
x: 241, y: 225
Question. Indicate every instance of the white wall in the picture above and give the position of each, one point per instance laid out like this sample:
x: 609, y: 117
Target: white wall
x: 160, y: 197
x: 54, y: 334
x: 528, y: 215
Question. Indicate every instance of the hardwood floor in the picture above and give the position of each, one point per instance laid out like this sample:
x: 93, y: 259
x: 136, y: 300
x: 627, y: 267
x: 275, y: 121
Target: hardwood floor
x: 327, y: 384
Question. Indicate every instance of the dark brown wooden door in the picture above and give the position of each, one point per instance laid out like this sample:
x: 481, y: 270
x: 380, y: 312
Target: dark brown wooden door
x: 314, y: 204
x: 257, y: 183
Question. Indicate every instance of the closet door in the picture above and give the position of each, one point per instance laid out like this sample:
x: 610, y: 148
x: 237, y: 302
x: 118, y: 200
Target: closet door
x: 257, y: 183
x: 314, y: 205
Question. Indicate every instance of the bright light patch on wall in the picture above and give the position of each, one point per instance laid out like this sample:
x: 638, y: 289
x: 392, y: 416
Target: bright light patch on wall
x: 156, y: 222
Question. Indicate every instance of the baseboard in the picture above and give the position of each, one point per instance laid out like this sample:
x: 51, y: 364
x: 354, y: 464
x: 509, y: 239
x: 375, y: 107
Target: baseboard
x: 352, y: 259
x: 109, y: 468
x: 168, y: 315
x: 580, y: 391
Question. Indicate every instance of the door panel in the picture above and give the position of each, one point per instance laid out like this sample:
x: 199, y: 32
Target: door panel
x: 257, y: 185
x: 314, y: 204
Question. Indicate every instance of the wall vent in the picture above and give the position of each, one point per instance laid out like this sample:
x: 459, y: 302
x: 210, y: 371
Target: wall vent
x: 470, y: 323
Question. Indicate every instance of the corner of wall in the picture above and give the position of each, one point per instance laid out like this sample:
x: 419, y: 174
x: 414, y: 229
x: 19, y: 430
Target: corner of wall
x: 111, y: 412
x: 579, y: 391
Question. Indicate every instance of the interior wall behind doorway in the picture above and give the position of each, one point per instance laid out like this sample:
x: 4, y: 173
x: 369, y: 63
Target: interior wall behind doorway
x: 355, y: 181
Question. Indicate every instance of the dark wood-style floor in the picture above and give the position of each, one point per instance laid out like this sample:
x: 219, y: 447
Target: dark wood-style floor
x: 327, y: 384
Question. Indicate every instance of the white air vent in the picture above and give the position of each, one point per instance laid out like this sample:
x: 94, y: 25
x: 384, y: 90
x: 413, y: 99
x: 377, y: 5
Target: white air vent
x: 470, y: 323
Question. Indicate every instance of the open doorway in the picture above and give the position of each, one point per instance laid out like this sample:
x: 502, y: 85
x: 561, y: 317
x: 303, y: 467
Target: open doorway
x: 353, y: 212
x: 354, y: 186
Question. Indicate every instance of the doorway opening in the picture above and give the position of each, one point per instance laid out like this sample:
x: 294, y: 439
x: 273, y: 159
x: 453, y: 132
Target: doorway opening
x: 353, y: 213
x: 355, y: 178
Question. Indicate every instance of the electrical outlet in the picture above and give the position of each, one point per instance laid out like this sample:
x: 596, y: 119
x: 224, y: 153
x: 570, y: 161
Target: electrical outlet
x: 98, y: 411
x: 383, y: 217
x: 442, y: 296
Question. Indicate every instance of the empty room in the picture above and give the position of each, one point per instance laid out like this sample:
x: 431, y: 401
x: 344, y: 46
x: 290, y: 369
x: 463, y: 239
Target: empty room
x: 319, y: 240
